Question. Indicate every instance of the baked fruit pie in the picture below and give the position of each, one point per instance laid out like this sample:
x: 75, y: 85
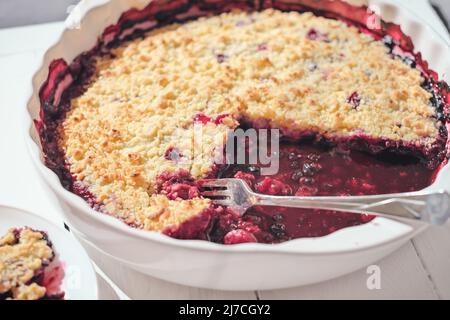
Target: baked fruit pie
x: 25, y: 271
x: 359, y: 113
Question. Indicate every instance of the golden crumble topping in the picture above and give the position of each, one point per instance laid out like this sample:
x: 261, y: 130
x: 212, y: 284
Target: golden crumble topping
x: 298, y: 71
x: 22, y: 253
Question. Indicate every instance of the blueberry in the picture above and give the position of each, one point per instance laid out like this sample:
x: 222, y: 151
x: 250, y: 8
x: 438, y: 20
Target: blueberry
x: 426, y: 84
x: 278, y: 230
x: 440, y: 116
x: 389, y: 42
x: 312, y: 66
x: 297, y: 175
x: 307, y: 180
x: 410, y: 62
x: 278, y: 217
x: 309, y: 169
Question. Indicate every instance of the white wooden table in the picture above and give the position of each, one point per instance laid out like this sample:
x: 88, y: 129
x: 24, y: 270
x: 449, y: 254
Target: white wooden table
x: 419, y: 270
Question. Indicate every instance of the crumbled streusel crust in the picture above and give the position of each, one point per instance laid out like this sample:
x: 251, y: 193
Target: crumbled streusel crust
x: 298, y: 71
x: 23, y: 252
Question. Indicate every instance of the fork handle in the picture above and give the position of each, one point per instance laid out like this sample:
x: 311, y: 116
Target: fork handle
x: 427, y: 206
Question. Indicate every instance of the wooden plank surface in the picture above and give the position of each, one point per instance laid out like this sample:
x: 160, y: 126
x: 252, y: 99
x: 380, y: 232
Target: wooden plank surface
x: 433, y: 249
x: 402, y: 277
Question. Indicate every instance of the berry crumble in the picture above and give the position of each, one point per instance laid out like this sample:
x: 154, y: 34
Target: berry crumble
x: 358, y: 114
x: 25, y: 272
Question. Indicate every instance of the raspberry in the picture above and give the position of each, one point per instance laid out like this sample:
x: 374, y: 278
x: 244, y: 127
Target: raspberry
x: 305, y: 191
x: 273, y: 187
x: 238, y: 236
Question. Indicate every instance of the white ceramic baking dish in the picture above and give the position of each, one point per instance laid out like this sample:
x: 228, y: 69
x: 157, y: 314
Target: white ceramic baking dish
x: 210, y: 265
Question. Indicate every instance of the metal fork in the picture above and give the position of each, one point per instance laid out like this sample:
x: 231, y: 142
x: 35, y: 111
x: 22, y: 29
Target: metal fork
x: 428, y: 206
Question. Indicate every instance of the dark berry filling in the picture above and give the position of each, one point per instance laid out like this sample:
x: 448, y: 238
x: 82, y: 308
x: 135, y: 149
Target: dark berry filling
x: 310, y: 169
x: 306, y: 168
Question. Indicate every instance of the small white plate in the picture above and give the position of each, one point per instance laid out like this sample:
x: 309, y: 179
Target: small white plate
x: 80, y: 281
